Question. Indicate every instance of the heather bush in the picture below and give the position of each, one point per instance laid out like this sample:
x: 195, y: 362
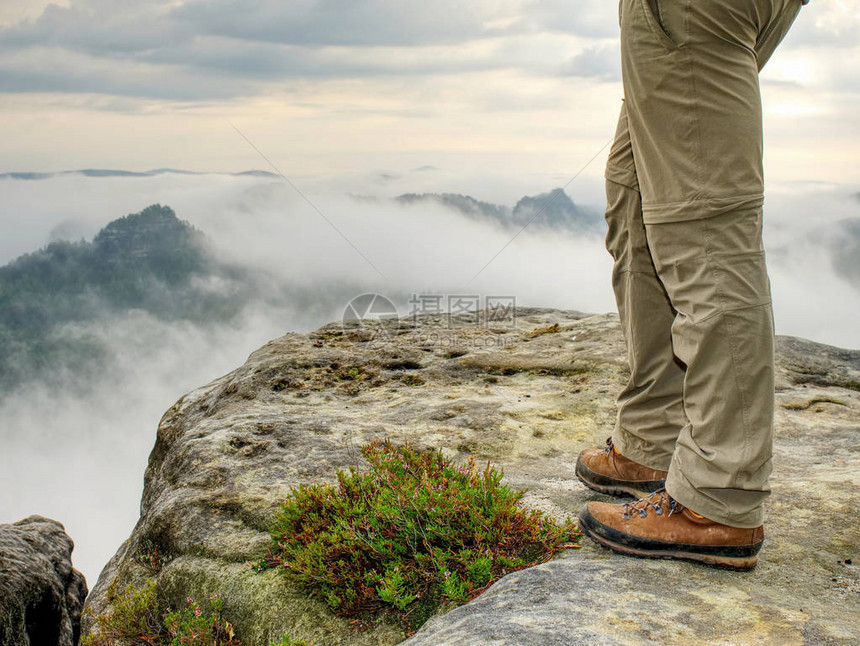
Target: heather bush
x: 414, y: 533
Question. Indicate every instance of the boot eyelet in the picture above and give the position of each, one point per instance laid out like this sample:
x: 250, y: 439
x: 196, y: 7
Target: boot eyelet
x: 642, y: 513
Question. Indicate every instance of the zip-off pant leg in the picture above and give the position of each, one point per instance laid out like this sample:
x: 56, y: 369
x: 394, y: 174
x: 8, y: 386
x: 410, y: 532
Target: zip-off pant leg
x: 714, y: 271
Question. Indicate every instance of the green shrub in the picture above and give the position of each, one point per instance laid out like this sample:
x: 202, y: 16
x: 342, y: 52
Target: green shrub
x: 137, y: 618
x: 190, y: 626
x: 413, y: 534
x: 150, y: 556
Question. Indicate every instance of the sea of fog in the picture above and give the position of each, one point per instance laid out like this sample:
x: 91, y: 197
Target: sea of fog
x: 81, y: 460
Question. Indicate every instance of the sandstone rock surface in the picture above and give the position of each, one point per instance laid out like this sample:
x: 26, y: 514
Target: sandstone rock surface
x: 528, y: 397
x: 41, y: 594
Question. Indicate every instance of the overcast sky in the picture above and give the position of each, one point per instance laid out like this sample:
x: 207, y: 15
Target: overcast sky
x: 525, y: 88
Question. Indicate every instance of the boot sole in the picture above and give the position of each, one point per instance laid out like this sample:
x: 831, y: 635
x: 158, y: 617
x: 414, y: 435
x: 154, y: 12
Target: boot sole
x: 604, y: 484
x: 730, y: 557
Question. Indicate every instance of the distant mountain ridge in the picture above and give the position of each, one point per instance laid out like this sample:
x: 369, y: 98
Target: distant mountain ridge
x: 149, y: 261
x: 553, y: 210
x: 101, y: 172
x: 152, y: 264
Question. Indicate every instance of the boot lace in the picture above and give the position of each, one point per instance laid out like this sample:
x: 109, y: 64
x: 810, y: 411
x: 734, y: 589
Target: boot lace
x: 609, y: 445
x: 660, y: 501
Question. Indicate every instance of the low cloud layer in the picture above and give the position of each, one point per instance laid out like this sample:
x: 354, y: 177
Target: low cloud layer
x: 81, y: 459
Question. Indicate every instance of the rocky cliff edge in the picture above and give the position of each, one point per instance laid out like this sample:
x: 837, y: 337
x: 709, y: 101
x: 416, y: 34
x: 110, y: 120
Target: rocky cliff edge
x: 527, y: 395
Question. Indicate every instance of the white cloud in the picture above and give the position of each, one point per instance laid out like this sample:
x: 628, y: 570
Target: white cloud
x: 101, y: 442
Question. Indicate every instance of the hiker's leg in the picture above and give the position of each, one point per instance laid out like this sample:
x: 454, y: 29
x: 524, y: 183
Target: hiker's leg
x: 650, y: 408
x: 690, y: 77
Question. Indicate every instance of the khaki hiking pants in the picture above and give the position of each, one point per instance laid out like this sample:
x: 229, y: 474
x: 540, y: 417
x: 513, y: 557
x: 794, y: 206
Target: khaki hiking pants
x: 685, y: 189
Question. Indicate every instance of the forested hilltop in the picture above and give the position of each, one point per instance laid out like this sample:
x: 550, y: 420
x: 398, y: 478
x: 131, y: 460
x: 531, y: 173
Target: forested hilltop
x: 149, y: 262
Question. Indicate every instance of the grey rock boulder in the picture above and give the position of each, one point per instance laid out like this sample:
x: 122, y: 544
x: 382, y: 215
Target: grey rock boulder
x: 41, y: 594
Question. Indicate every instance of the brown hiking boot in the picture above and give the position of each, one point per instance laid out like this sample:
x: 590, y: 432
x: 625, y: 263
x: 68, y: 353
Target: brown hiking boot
x: 607, y: 471
x: 658, y: 526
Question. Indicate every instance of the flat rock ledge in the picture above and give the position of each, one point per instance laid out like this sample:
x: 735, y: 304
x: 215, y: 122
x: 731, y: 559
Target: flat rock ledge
x: 528, y: 395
